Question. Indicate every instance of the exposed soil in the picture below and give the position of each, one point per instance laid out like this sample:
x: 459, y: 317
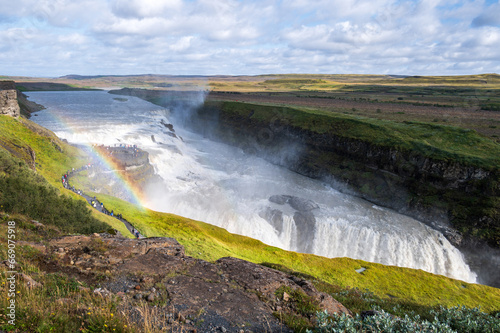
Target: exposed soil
x: 230, y: 295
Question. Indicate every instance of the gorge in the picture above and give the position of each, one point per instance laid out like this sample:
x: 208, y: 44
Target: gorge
x: 227, y: 187
x: 455, y: 195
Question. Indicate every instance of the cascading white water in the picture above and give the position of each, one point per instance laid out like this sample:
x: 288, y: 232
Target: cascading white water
x: 221, y: 185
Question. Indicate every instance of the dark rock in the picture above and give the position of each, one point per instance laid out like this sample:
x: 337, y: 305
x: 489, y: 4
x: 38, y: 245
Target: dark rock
x: 302, y: 205
x: 369, y: 313
x: 279, y: 199
x: 171, y: 134
x: 305, y: 223
x: 229, y: 293
x: 167, y: 125
x: 243, y: 273
x: 274, y: 217
x: 453, y: 236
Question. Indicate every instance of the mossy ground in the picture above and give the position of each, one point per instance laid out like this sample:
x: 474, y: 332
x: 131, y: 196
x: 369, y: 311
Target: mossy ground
x: 53, y: 157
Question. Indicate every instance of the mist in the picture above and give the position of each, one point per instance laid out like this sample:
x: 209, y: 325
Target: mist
x: 235, y: 189
x: 249, y: 190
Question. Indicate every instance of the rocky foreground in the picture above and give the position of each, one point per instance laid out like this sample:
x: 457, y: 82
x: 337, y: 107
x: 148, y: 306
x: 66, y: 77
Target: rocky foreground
x: 230, y: 295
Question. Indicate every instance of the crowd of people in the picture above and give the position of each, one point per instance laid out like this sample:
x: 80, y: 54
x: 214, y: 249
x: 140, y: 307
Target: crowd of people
x: 109, y: 150
x: 93, y: 201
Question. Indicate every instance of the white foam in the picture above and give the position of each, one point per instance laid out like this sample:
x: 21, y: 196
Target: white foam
x: 219, y: 184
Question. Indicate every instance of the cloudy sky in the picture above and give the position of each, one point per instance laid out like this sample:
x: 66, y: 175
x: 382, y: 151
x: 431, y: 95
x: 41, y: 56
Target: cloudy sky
x: 416, y: 37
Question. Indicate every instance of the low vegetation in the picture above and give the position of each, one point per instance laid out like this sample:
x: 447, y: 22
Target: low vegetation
x: 57, y: 302
x: 444, y: 320
x: 23, y: 191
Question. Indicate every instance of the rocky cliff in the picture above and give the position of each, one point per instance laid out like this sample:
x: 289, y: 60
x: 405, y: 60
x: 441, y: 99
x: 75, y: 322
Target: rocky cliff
x: 229, y: 295
x: 131, y: 163
x: 453, y: 197
x: 8, y: 99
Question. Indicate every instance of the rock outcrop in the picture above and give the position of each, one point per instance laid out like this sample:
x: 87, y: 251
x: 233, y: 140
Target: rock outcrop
x: 8, y: 99
x: 131, y: 162
x: 231, y: 293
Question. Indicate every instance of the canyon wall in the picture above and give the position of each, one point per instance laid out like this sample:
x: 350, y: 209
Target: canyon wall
x: 8, y: 99
x: 459, y: 199
x: 454, y: 195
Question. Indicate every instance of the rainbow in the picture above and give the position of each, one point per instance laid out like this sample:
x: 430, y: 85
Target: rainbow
x: 133, y: 191
x: 98, y: 156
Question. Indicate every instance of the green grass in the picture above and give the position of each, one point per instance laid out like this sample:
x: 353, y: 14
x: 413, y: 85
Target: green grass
x: 208, y: 242
x: 436, y: 141
x: 52, y: 156
x: 34, y: 188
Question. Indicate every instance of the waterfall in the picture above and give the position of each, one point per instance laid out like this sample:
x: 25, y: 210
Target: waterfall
x: 223, y: 186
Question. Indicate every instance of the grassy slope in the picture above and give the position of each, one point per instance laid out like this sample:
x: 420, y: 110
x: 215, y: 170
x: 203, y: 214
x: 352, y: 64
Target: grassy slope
x: 18, y: 134
x: 209, y: 242
x: 51, y: 163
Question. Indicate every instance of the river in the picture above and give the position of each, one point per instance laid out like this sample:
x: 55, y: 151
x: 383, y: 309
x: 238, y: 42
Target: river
x: 220, y: 184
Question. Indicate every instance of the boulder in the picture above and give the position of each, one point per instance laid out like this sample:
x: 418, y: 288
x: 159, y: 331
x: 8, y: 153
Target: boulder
x: 279, y: 199
x: 274, y: 217
x: 30, y: 283
x: 302, y: 205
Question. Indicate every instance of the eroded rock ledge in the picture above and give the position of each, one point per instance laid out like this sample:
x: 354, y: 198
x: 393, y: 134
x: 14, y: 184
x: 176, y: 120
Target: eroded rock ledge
x: 8, y: 99
x: 230, y: 293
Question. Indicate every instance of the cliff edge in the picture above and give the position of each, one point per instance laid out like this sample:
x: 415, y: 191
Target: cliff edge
x: 8, y: 99
x: 229, y: 295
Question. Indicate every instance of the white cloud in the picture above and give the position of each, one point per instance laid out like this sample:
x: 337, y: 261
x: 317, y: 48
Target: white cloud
x: 489, y: 16
x: 249, y: 37
x: 182, y: 44
x: 145, y: 8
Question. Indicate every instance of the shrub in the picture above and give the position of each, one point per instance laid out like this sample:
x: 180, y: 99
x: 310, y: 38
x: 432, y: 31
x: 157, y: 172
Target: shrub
x: 453, y: 320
